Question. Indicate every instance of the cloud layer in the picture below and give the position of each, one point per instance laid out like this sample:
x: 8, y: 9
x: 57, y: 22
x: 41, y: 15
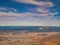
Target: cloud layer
x: 44, y: 14
x: 41, y: 14
x: 34, y: 2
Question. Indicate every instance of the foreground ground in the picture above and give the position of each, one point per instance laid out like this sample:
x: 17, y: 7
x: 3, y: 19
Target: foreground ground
x: 30, y: 38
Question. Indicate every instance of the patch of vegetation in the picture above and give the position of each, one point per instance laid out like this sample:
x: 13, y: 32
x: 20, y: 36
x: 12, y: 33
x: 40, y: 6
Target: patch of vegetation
x: 3, y: 38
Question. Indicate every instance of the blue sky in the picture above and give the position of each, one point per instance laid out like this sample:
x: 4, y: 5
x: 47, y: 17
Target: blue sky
x: 29, y: 12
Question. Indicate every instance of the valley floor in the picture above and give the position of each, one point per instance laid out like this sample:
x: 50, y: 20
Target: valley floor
x: 30, y: 38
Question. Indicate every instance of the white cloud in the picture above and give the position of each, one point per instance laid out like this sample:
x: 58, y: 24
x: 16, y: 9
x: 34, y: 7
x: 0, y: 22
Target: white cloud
x: 8, y: 9
x: 1, y: 8
x: 42, y: 10
x: 46, y: 12
x: 41, y: 3
x: 27, y: 15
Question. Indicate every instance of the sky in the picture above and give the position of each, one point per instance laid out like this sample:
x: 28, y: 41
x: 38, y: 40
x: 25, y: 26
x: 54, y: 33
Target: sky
x: 29, y: 12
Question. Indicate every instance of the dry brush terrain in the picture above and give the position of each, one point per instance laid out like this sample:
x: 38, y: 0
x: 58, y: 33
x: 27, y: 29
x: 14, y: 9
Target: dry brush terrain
x: 30, y: 38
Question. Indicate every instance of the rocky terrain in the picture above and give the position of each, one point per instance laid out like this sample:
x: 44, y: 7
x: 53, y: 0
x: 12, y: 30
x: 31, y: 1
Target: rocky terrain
x: 30, y: 38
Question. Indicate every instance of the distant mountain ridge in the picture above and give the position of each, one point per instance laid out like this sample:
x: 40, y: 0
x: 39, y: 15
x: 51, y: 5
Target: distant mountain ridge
x: 31, y: 28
